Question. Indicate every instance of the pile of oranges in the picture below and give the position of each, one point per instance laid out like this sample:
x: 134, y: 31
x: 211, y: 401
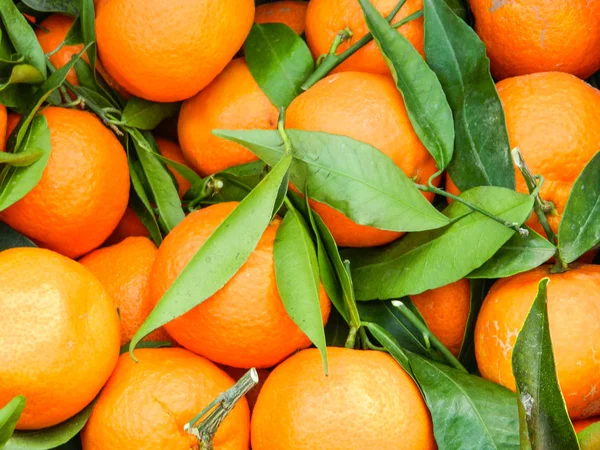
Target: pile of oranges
x: 72, y: 301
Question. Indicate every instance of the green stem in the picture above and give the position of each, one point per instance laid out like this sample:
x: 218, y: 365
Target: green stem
x: 419, y: 325
x: 353, y: 314
x: 331, y: 61
x: 366, y: 342
x: 513, y: 225
x: 219, y: 409
x: 281, y: 129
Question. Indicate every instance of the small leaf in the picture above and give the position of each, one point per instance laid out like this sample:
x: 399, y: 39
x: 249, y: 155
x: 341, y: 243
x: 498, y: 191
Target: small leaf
x: 22, y: 74
x: 458, y: 57
x: 221, y: 256
x: 90, y: 86
x: 297, y: 275
x: 391, y: 345
x: 279, y: 60
x: 431, y: 259
x: 425, y: 102
x: 579, y: 229
x: 478, y: 291
x: 88, y: 29
x: 17, y: 182
x: 10, y: 238
x: 9, y: 416
x: 350, y: 176
x: 140, y: 203
x: 59, y: 6
x: 468, y: 412
x: 21, y: 159
x: 542, y: 404
x: 238, y: 181
x: 22, y: 36
x: 589, y: 437
x: 146, y: 115
x: 74, y: 35
x: 50, y: 438
x: 336, y: 330
x: 519, y: 254
x: 163, y: 188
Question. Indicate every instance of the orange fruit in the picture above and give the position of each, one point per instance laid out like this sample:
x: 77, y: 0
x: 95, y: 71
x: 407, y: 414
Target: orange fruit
x: 233, y: 101
x: 145, y: 405
x: 51, y: 33
x: 368, y: 108
x: 326, y: 18
x: 573, y: 310
x: 59, y: 332
x: 582, y: 424
x: 84, y: 190
x: 124, y: 270
x: 446, y: 311
x: 3, y: 127
x: 290, y: 13
x: 366, y: 402
x: 554, y: 119
x: 254, y: 333
x: 130, y: 225
x: 172, y: 151
x: 539, y: 36
x: 12, y: 120
x: 170, y: 60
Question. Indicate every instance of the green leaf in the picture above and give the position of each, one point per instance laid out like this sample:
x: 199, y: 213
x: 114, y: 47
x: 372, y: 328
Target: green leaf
x: 74, y: 35
x: 164, y: 191
x: 336, y: 330
x: 478, y: 291
x: 350, y: 176
x: 22, y: 74
x: 579, y: 229
x: 589, y: 437
x: 238, y: 181
x: 425, y: 102
x: 22, y: 36
x: 90, y: 87
x: 468, y: 412
x: 15, y: 97
x: 146, y: 344
x: 221, y: 256
x: 431, y: 259
x: 541, y: 401
x: 391, y: 345
x: 140, y: 203
x: 16, y: 182
x: 146, y: 115
x: 279, y: 60
x: 459, y: 8
x: 297, y: 275
x: 182, y: 170
x: 22, y: 159
x: 88, y: 29
x: 458, y: 57
x: 519, y: 254
x: 9, y: 416
x: 50, y: 438
x: 10, y: 238
x: 59, y: 6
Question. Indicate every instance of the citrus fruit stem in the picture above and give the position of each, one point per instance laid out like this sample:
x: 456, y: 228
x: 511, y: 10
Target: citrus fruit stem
x: 218, y: 409
x: 326, y: 63
x: 353, y: 314
x: 428, y: 335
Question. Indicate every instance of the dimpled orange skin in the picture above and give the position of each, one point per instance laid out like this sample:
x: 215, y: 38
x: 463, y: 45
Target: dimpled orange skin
x: 574, y: 318
x: 366, y: 402
x: 326, y: 18
x: 529, y: 36
x: 368, y: 108
x: 145, y: 405
x: 124, y: 270
x: 290, y: 13
x: 169, y: 51
x: 554, y: 119
x: 233, y: 101
x: 173, y: 152
x: 130, y: 225
x: 245, y: 323
x: 84, y: 190
x: 446, y: 311
x: 59, y: 332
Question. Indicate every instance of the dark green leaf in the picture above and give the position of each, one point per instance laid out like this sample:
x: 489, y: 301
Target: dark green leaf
x: 423, y: 95
x: 88, y: 29
x: 22, y: 36
x: 74, y: 35
x: 457, y: 55
x: 479, y: 289
x: 350, y: 176
x: 430, y: 259
x: 238, y: 181
x: 297, y: 275
x: 21, y: 159
x: 589, y: 437
x: 146, y: 115
x: 519, y: 254
x: 143, y: 210
x: 146, y: 344
x: 22, y: 74
x: 91, y: 88
x: 69, y: 7
x: 164, y: 191
x: 221, y: 256
x: 16, y: 96
x: 17, y: 182
x: 10, y: 238
x: 336, y: 330
x: 468, y: 412
x: 542, y: 403
x: 9, y: 416
x: 459, y: 8
x: 279, y: 61
x: 579, y: 229
x: 50, y: 438
x: 390, y: 344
